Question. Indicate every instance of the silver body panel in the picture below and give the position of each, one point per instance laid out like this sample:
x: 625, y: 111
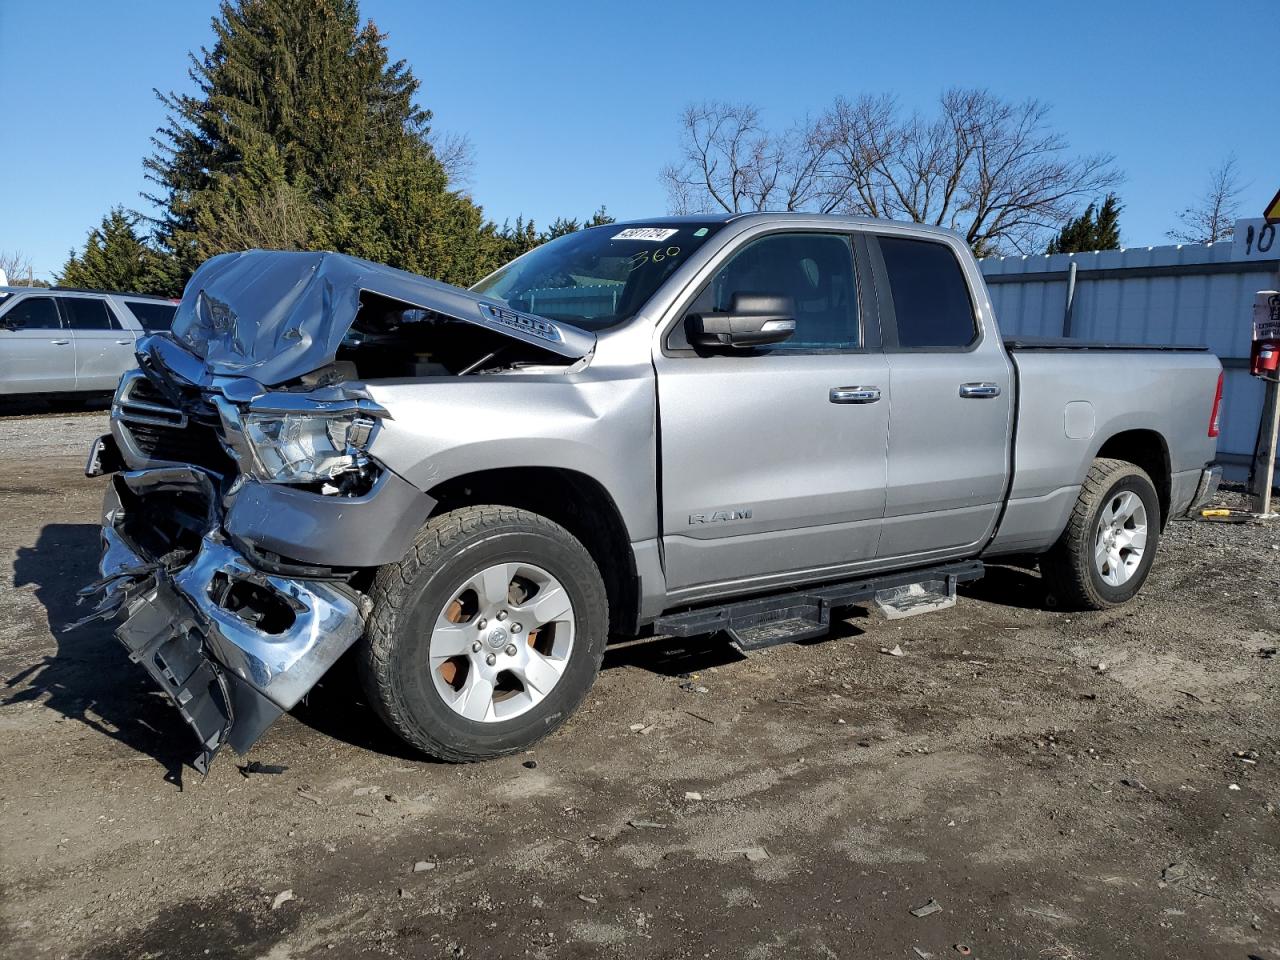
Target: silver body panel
x: 1055, y: 442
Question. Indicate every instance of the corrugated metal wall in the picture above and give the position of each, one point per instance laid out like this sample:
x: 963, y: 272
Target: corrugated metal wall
x: 1188, y: 294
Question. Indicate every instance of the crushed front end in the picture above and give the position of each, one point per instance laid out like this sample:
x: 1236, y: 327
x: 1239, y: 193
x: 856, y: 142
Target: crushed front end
x: 247, y: 506
x: 235, y: 526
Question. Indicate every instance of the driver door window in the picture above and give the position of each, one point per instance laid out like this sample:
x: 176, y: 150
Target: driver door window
x: 33, y: 313
x: 815, y: 270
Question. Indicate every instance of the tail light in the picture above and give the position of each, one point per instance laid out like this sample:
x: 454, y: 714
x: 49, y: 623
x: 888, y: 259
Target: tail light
x: 1215, y: 415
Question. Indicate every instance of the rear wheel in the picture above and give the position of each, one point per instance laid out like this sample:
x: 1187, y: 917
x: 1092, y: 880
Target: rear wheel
x: 1103, y: 557
x: 487, y: 635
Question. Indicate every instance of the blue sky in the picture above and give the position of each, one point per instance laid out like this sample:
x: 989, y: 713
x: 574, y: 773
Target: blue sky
x: 570, y: 105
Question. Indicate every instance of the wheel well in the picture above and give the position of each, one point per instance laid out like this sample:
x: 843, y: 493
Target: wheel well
x: 575, y: 501
x: 1146, y: 449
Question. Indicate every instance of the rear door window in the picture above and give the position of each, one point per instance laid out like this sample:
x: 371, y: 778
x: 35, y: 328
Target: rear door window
x: 32, y: 313
x: 154, y: 317
x: 88, y: 313
x: 930, y: 297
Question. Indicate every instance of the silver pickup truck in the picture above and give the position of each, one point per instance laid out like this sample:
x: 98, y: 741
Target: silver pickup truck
x: 700, y: 425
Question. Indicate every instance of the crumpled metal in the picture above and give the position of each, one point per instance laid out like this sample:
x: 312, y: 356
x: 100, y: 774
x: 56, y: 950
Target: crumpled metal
x: 274, y: 315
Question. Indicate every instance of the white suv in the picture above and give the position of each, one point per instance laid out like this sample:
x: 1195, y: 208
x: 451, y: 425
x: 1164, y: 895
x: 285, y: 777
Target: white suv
x: 56, y: 339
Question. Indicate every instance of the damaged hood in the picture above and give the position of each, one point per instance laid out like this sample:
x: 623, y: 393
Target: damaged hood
x: 275, y: 316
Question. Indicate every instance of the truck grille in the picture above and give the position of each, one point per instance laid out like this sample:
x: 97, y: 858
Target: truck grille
x: 160, y: 432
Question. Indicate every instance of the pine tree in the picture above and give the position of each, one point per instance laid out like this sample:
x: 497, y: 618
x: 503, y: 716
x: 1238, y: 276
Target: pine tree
x: 601, y: 218
x: 115, y: 257
x: 1107, y: 224
x: 1091, y: 231
x: 302, y: 133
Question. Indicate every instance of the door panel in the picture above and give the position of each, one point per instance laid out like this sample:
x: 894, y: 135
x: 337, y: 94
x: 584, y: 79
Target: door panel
x: 948, y: 454
x: 39, y: 355
x: 773, y: 460
x: 104, y: 351
x: 950, y: 422
x: 762, y: 474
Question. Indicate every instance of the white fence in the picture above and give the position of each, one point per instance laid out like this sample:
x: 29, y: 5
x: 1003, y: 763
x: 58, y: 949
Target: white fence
x: 1192, y: 294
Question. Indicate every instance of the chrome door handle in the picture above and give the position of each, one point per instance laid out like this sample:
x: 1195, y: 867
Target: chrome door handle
x: 855, y: 394
x: 124, y: 343
x: 61, y: 343
x: 979, y: 391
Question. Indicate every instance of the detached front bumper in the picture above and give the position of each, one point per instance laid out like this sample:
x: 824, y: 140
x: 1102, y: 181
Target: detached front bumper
x: 232, y: 646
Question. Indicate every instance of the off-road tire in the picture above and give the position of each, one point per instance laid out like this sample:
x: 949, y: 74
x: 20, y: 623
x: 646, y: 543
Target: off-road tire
x: 408, y: 596
x: 1072, y: 580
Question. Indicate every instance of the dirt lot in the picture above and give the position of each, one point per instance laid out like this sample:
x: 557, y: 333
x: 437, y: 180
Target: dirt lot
x: 1052, y: 807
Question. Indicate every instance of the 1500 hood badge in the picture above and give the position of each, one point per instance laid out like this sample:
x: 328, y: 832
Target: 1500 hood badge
x: 522, y: 321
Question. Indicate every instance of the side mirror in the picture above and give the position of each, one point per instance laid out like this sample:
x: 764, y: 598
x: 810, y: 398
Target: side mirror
x: 9, y: 325
x: 752, y: 320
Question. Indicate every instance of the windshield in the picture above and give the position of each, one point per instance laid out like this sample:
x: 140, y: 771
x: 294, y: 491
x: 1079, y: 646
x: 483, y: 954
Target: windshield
x: 598, y: 277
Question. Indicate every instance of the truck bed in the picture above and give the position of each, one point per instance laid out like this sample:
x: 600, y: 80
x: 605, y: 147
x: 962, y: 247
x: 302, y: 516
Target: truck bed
x: 1073, y: 398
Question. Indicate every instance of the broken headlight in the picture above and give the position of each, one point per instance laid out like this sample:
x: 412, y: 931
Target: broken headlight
x: 307, y: 447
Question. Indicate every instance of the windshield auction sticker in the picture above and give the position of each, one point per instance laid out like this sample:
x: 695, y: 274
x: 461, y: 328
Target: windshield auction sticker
x: 652, y: 234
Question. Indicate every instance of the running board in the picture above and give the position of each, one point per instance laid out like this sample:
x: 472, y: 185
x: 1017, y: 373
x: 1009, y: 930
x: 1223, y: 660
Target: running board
x: 800, y: 614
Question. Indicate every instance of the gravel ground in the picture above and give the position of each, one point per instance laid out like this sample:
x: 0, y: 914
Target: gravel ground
x: 1062, y: 785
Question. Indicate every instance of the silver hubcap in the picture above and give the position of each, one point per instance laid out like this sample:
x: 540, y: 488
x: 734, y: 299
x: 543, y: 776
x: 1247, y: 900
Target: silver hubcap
x: 1121, y: 538
x: 502, y: 642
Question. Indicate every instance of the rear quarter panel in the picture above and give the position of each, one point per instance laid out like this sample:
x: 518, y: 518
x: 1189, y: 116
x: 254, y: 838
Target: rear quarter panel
x: 1070, y: 403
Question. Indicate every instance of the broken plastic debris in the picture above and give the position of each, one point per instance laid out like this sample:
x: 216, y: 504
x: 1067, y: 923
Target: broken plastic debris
x: 754, y: 854
x: 897, y: 651
x: 422, y: 866
x: 647, y: 825
x: 932, y: 906
x: 585, y: 899
x: 255, y: 766
x: 692, y: 795
x: 283, y: 897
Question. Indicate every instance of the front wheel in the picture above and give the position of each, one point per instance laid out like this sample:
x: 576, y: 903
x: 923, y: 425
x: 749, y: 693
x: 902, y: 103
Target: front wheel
x: 487, y: 636
x: 1104, y: 555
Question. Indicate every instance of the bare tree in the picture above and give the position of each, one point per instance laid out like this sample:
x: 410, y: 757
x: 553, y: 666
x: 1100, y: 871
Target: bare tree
x: 1213, y: 218
x: 457, y: 154
x: 17, y: 267
x: 992, y: 170
x: 731, y: 163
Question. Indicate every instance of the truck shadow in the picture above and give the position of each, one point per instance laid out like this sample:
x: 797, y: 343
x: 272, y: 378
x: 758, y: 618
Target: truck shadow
x: 1008, y: 586
x: 89, y: 677
x: 679, y: 656
x: 36, y: 404
x: 337, y: 708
